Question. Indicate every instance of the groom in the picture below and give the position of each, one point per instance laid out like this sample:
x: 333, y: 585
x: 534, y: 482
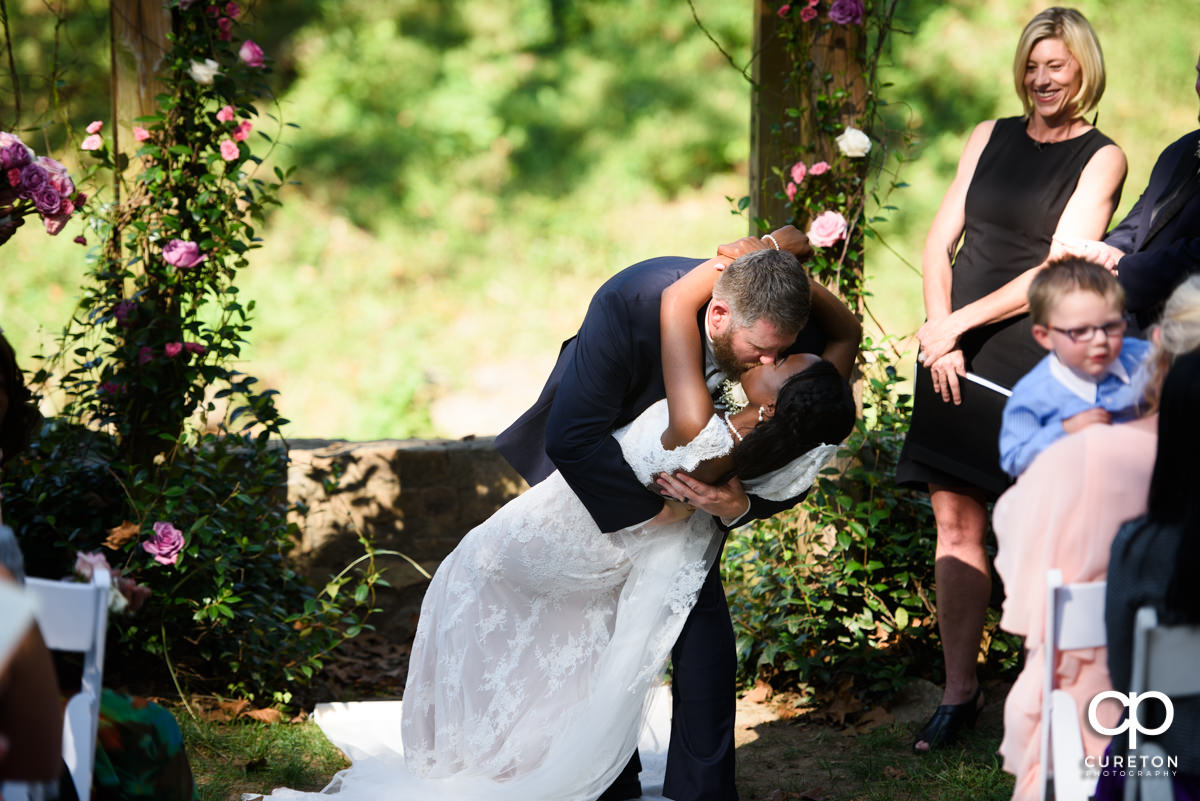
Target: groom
x: 608, y: 374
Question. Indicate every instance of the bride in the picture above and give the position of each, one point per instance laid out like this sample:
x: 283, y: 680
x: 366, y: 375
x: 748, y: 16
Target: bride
x: 541, y: 638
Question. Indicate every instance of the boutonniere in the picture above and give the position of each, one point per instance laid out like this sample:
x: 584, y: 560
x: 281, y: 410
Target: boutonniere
x: 733, y: 397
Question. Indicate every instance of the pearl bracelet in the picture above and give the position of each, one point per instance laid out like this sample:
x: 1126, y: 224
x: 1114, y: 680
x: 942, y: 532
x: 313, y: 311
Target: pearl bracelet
x: 770, y: 238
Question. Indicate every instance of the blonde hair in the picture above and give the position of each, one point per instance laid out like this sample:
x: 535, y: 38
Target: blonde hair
x: 1073, y: 29
x: 1178, y: 333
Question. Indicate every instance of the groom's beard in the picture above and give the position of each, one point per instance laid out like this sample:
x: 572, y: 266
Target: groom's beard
x: 723, y: 355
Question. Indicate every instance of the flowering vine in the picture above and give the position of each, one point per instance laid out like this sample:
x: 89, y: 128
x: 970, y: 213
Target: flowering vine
x: 163, y: 451
x: 825, y: 134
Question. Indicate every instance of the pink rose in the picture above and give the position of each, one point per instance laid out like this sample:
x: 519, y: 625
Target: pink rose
x: 109, y: 388
x: 820, y: 168
x: 826, y: 229
x: 251, y: 54
x: 57, y: 175
x: 181, y: 253
x: 232, y: 10
x: 784, y: 9
x: 225, y: 29
x: 145, y: 355
x: 242, y: 132
x: 165, y: 545
x: 808, y: 14
x: 229, y: 150
x: 140, y: 134
x: 212, y: 11
x: 194, y: 347
x: 791, y: 189
x: 225, y: 114
x: 798, y: 171
x: 14, y: 177
x: 80, y: 240
x: 87, y: 563
x: 56, y: 222
x: 92, y: 142
x: 94, y: 126
x: 173, y: 349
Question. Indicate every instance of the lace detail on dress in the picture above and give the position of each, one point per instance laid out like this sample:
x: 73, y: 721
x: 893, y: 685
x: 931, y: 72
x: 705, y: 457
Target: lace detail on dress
x: 712, y: 441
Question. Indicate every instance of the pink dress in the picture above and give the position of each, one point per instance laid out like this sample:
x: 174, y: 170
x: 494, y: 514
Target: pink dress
x: 1063, y: 513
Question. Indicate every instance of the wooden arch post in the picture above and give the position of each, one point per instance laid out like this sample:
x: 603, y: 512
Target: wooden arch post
x: 784, y: 119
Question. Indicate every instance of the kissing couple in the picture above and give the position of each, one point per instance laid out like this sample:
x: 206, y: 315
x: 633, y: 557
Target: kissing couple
x: 543, y: 634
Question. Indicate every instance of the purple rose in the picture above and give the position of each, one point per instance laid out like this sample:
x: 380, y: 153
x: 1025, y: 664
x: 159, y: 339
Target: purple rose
x: 181, y: 253
x: 14, y: 155
x: 165, y: 545
x: 33, y: 178
x: 123, y: 310
x: 846, y: 12
x: 46, y: 200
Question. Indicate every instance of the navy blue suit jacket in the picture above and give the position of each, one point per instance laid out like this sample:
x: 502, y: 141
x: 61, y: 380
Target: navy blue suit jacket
x: 1159, y: 257
x: 605, y: 376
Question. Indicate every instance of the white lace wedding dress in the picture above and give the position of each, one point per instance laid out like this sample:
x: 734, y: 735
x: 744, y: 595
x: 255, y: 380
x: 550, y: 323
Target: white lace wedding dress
x: 540, y: 639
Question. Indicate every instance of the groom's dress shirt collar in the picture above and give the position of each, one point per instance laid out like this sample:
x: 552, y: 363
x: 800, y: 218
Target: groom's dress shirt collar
x: 712, y: 373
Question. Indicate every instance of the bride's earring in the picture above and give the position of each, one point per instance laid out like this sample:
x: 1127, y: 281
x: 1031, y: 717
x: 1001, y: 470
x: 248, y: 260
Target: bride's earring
x: 761, y: 411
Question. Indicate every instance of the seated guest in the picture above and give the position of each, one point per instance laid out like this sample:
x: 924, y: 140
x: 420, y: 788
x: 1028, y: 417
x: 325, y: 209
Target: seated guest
x: 1063, y: 513
x: 1155, y: 560
x: 1157, y: 245
x: 1085, y: 379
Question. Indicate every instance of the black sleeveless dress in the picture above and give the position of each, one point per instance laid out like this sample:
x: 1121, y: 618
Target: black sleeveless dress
x: 1018, y: 192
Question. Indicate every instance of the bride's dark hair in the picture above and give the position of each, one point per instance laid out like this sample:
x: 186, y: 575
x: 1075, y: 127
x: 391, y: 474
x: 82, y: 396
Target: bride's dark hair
x: 814, y: 406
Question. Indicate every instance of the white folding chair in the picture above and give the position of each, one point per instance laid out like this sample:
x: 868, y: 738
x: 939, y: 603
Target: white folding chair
x: 1164, y: 659
x: 1074, y: 619
x: 74, y: 617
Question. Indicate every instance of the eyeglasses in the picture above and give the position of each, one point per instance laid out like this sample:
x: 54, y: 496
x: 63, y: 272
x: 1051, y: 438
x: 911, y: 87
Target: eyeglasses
x: 1086, y: 333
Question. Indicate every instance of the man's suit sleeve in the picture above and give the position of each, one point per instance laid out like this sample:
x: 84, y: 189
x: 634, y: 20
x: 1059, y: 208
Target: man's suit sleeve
x: 1124, y: 234
x: 1150, y: 276
x: 586, y: 411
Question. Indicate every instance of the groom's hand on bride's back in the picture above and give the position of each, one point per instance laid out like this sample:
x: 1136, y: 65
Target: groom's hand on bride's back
x: 788, y: 238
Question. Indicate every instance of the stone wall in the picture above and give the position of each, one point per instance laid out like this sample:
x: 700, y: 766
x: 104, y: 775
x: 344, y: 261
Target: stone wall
x: 417, y: 497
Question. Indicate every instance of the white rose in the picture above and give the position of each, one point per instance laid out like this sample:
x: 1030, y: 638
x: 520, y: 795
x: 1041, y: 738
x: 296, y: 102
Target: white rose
x: 204, y: 71
x: 853, y: 143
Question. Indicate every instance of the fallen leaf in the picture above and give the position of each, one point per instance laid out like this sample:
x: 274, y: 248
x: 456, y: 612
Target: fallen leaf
x: 874, y: 718
x: 761, y: 692
x: 267, y: 715
x: 893, y: 772
x: 119, y: 535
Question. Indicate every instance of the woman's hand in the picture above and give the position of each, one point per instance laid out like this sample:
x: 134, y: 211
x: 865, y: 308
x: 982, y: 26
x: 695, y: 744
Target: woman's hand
x: 945, y: 372
x: 672, y: 512
x: 937, y: 338
x: 789, y: 238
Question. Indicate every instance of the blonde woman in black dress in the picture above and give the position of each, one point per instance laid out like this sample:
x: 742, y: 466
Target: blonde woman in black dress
x: 1021, y: 182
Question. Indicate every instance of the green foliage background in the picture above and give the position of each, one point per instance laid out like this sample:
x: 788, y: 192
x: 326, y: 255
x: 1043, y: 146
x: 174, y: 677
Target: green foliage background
x: 471, y: 171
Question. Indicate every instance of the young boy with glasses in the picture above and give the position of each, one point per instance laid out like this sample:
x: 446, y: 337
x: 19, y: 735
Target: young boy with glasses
x: 1091, y: 374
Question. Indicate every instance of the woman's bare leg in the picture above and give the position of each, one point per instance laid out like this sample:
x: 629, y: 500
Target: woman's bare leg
x: 964, y: 585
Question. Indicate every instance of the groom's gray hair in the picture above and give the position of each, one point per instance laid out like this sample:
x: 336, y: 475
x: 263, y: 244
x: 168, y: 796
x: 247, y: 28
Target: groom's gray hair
x: 766, y: 285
